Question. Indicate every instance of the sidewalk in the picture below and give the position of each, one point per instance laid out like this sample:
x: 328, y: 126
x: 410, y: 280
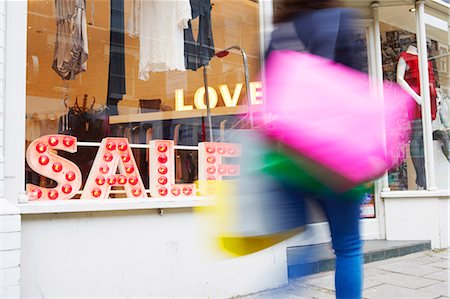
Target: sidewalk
x: 420, y: 275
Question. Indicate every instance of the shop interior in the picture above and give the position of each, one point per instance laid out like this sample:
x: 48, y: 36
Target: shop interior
x: 161, y: 106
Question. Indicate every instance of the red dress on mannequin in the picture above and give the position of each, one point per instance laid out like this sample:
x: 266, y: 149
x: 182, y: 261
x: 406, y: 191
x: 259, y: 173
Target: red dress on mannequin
x: 412, y: 77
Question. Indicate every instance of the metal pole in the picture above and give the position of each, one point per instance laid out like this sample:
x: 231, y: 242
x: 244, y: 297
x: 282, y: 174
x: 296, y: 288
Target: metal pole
x: 425, y: 94
x: 247, y: 78
x: 208, y: 107
x: 247, y: 87
x: 379, y: 73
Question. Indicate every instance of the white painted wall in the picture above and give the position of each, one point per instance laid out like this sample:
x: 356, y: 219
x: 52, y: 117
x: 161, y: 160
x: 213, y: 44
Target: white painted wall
x: 9, y: 250
x: 2, y: 92
x: 14, y: 99
x: 418, y: 218
x: 136, y: 254
x: 9, y: 214
x: 142, y: 254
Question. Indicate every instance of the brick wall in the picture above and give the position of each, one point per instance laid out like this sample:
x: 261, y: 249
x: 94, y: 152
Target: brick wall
x: 9, y: 250
x: 9, y: 214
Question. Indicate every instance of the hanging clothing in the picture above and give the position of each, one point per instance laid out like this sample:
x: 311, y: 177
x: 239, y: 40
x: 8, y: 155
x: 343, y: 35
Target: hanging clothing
x: 160, y: 26
x: 91, y: 126
x: 71, y: 45
x: 412, y: 77
x: 199, y: 53
x: 116, y: 75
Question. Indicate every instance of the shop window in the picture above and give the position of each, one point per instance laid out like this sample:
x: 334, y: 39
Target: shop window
x: 117, y: 68
x: 400, y: 63
x: 437, y: 34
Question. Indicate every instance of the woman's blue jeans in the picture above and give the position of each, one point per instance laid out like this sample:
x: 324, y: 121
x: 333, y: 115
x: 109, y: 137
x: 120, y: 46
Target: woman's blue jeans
x: 343, y: 218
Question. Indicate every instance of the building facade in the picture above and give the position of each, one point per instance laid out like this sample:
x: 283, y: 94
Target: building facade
x: 110, y: 86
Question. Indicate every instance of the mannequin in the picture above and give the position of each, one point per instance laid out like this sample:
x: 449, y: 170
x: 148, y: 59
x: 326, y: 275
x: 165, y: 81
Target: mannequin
x: 408, y: 78
x: 441, y: 126
x: 401, y: 70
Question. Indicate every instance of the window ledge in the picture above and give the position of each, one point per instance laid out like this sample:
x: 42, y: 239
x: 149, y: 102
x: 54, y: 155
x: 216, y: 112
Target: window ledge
x: 415, y: 194
x: 73, y: 206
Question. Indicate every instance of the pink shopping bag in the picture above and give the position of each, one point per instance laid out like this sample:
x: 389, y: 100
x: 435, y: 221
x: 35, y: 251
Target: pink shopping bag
x: 330, y: 116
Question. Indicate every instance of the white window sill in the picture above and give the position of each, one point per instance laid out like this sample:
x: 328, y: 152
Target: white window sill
x: 415, y: 194
x: 73, y: 206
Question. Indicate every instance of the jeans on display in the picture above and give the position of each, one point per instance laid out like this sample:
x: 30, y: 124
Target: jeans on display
x: 116, y: 74
x: 343, y: 218
x: 417, y: 152
x: 198, y: 53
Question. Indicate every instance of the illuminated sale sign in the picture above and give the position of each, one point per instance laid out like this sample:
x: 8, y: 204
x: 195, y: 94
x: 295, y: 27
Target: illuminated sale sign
x: 115, y: 166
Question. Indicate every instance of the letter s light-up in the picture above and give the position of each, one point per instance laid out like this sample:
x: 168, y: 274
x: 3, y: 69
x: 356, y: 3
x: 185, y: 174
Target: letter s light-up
x: 113, y: 154
x: 42, y: 158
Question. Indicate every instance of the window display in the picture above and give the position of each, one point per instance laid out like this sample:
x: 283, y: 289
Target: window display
x: 401, y: 64
x: 437, y: 42
x: 130, y: 69
x: 409, y: 79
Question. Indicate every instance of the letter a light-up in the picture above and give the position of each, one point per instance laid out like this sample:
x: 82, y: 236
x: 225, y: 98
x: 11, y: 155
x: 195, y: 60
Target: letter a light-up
x: 162, y: 171
x: 42, y: 158
x: 113, y: 154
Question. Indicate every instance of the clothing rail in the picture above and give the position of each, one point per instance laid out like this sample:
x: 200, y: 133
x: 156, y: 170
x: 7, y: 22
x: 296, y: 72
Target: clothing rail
x: 97, y: 144
x: 439, y: 56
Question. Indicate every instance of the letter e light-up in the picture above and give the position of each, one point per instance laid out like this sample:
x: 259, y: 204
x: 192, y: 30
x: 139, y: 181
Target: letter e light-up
x: 113, y: 154
x: 210, y: 163
x: 42, y: 158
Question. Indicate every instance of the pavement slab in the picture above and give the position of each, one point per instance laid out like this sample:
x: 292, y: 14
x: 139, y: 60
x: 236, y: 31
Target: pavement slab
x: 427, y: 260
x: 403, y: 280
x: 419, y: 275
x: 391, y: 291
x: 437, y: 290
x: 370, y: 271
x: 443, y: 254
x: 324, y: 282
x: 443, y: 275
x: 444, y: 264
x: 410, y: 268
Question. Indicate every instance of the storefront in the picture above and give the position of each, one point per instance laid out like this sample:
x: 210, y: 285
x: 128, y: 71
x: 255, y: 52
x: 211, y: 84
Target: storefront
x: 133, y: 72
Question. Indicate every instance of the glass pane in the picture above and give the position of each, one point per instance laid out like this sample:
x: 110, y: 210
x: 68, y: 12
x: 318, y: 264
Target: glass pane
x: 400, y: 64
x: 437, y: 18
x: 93, y: 72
